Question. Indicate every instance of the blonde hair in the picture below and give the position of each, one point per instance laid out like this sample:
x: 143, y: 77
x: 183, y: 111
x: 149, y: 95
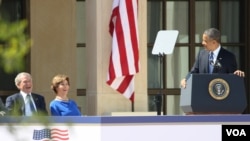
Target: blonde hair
x: 59, y: 78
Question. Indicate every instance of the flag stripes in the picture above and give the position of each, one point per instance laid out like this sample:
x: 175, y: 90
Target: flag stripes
x: 53, y: 134
x: 124, y: 58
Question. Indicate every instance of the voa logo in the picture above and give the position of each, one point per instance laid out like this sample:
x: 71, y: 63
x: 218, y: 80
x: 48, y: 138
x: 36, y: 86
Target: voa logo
x: 236, y: 132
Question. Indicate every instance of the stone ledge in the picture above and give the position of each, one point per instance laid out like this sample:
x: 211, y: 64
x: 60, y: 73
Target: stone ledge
x: 134, y: 114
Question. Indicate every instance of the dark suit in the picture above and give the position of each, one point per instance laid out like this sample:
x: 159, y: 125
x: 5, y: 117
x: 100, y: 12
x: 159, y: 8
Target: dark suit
x: 15, y: 104
x: 2, y: 107
x: 225, y: 58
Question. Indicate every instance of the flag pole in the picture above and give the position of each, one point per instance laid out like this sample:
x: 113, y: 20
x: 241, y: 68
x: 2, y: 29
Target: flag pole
x: 132, y: 106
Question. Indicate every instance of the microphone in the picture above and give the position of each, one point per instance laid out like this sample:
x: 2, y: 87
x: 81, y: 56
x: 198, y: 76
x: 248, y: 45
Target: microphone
x: 217, y: 63
x: 211, y: 62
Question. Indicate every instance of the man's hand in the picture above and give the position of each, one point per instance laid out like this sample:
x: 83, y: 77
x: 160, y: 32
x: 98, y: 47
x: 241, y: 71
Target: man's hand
x: 239, y: 73
x: 2, y: 113
x: 183, y: 83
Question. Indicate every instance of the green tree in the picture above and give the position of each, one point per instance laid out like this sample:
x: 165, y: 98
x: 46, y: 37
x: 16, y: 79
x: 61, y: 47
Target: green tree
x: 14, y: 45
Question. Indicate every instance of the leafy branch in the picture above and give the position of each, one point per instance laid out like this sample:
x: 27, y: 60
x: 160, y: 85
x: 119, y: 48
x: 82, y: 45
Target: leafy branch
x: 14, y: 45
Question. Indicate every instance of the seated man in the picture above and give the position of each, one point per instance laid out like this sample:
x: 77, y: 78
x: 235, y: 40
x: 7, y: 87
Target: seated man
x: 3, y: 110
x: 25, y: 102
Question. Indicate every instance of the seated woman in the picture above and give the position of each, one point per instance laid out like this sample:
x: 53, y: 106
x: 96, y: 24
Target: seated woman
x: 62, y: 105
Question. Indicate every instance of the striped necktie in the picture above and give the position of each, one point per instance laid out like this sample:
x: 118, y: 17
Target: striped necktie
x: 211, y: 62
x: 29, y: 107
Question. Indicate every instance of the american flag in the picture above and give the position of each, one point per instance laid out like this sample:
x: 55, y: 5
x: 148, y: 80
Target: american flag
x: 124, y: 58
x: 53, y: 134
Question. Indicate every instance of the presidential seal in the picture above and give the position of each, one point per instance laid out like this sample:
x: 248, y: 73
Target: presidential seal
x: 218, y: 89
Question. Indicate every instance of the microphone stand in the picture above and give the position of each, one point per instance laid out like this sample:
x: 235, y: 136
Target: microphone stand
x: 164, y: 44
x: 158, y: 97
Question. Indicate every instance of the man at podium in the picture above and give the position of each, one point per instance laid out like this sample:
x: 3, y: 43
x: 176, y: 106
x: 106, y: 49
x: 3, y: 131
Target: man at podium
x: 213, y: 58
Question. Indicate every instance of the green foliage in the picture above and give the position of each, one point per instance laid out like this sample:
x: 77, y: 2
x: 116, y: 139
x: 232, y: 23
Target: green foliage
x: 14, y: 45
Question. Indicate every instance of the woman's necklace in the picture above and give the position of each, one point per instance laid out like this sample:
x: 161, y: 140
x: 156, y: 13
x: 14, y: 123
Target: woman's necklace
x: 62, y: 99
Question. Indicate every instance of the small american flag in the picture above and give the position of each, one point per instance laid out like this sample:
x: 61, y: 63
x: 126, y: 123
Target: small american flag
x: 53, y: 134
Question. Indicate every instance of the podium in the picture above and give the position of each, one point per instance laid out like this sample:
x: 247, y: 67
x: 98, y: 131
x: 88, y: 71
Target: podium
x: 213, y: 94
